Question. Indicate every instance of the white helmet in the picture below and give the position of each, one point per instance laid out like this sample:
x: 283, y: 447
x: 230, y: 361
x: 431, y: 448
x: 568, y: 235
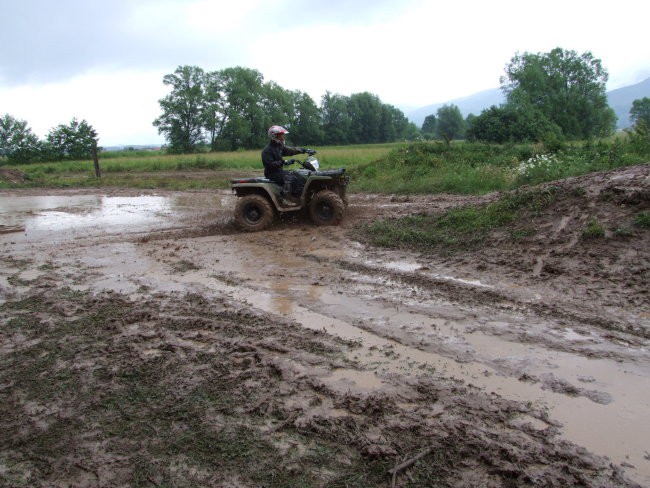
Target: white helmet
x: 275, y: 131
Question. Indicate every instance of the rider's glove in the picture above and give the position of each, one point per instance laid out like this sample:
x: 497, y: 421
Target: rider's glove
x: 311, y: 152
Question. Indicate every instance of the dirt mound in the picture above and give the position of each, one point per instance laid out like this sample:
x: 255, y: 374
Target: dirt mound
x: 589, y: 242
x: 12, y: 175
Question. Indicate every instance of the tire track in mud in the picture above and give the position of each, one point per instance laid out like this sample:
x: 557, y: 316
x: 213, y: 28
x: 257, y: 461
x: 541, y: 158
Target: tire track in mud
x: 457, y: 291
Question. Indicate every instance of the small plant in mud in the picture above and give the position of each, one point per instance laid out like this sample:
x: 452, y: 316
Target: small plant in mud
x: 623, y: 232
x: 520, y: 234
x: 642, y: 220
x: 184, y: 266
x: 594, y: 230
x: 579, y: 192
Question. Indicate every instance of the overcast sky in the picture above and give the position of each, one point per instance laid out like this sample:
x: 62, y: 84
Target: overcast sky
x: 103, y: 61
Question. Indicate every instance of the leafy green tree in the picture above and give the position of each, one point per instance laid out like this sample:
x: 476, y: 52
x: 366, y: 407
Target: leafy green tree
x: 365, y: 112
x: 73, y: 141
x: 335, y: 119
x: 567, y: 88
x: 640, y: 112
x: 450, y: 123
x: 305, y: 125
x: 17, y: 142
x: 396, y: 126
x: 429, y: 127
x: 510, y: 123
x: 247, y: 109
x: 183, y: 116
x: 234, y: 108
x: 278, y: 104
x: 214, y: 108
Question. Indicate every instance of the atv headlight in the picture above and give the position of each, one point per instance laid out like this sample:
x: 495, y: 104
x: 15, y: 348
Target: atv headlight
x: 313, y: 161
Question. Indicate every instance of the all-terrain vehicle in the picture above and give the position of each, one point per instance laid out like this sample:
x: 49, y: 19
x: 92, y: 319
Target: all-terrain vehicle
x: 323, y: 196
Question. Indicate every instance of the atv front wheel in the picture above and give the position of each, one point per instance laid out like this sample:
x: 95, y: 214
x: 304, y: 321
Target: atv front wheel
x: 253, y: 212
x: 326, y: 208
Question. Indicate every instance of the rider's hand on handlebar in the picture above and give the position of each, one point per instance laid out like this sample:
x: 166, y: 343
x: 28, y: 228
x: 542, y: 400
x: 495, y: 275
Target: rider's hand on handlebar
x: 311, y: 152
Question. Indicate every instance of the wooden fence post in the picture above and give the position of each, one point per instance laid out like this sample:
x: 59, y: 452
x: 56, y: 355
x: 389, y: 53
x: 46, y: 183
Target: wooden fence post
x: 98, y: 173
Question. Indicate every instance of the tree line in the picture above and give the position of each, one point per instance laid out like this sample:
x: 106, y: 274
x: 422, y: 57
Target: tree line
x: 554, y: 96
x: 18, y: 144
x: 233, y: 108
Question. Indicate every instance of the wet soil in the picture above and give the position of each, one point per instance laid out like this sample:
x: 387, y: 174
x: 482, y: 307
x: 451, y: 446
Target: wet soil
x: 147, y: 342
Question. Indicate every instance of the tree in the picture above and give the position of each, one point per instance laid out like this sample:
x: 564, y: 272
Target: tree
x: 335, y: 119
x: 214, y: 108
x: 183, y: 116
x: 73, y: 141
x: 429, y: 127
x: 247, y: 116
x: 305, y: 126
x: 510, y: 123
x: 450, y: 122
x: 365, y: 112
x: 640, y: 112
x: 234, y: 107
x: 567, y: 88
x: 17, y: 142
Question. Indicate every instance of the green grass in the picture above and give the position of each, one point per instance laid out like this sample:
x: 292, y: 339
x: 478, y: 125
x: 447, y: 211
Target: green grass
x: 404, y: 168
x: 475, y: 168
x: 151, y: 170
x: 458, y: 228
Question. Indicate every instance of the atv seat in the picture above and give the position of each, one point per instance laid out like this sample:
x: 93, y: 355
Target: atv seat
x: 250, y: 180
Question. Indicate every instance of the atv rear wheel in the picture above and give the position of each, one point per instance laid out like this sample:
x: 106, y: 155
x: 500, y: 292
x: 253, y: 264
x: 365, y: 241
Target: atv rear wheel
x: 326, y: 208
x: 253, y: 212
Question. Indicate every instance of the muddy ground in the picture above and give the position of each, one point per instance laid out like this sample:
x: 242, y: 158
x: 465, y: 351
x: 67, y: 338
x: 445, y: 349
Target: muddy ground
x: 146, y: 342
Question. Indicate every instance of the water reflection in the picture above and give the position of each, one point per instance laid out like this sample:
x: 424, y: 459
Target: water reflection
x: 60, y: 213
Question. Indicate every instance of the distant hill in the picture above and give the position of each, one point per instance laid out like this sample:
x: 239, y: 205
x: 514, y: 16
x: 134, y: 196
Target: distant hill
x: 472, y: 104
x: 620, y: 100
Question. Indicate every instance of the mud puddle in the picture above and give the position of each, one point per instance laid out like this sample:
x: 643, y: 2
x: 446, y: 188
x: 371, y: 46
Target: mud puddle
x: 597, y: 391
x: 601, y: 404
x: 38, y: 215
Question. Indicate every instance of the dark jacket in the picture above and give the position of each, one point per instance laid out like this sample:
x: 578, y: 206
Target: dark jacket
x: 272, y: 158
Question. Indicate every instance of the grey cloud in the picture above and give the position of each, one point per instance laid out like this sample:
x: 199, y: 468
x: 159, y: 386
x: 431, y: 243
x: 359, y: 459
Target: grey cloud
x: 51, y: 41
x: 54, y: 40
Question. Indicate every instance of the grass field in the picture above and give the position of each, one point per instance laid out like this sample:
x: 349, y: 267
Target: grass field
x: 178, y: 172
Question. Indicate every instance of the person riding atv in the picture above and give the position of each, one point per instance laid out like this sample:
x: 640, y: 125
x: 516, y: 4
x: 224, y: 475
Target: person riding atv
x: 322, y: 193
x: 272, y: 154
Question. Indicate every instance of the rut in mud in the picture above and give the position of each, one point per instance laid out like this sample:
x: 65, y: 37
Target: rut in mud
x: 166, y: 349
